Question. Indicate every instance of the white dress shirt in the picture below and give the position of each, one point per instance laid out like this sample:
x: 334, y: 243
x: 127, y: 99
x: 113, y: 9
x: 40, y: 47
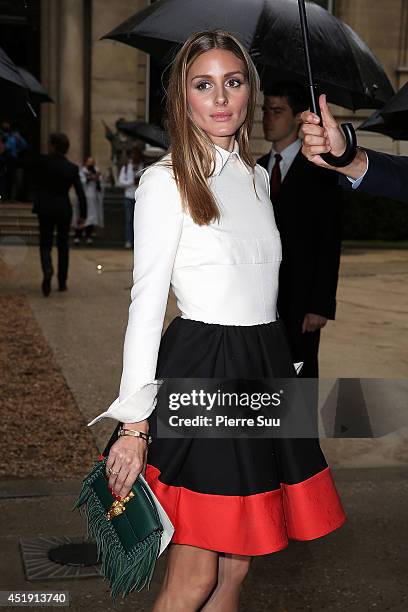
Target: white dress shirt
x: 224, y: 273
x: 288, y: 155
x: 355, y: 183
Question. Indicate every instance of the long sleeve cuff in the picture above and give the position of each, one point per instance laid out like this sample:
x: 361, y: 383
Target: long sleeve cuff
x: 355, y: 183
x: 138, y: 406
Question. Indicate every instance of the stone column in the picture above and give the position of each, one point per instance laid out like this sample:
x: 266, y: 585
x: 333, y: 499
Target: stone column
x: 378, y: 24
x: 50, y: 52
x: 71, y: 75
x: 62, y: 72
x: 118, y: 75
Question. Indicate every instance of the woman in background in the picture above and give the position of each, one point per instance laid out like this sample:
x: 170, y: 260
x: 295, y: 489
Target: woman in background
x: 92, y: 183
x: 128, y: 179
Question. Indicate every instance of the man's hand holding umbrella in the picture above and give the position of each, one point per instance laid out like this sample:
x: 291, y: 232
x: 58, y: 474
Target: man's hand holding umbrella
x: 381, y: 174
x: 328, y: 138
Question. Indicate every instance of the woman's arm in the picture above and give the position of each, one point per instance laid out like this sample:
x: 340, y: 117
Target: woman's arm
x: 158, y: 220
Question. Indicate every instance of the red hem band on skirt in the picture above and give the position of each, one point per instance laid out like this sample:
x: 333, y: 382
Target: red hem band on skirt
x: 303, y: 511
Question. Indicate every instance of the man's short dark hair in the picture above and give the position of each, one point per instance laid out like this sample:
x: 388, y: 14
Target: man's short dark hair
x: 60, y: 142
x: 296, y: 95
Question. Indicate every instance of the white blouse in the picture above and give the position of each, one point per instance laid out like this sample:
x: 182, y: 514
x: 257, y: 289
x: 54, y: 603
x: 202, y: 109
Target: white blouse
x: 225, y: 272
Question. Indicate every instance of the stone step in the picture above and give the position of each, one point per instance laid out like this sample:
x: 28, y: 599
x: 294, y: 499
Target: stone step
x: 18, y: 230
x: 15, y: 205
x: 19, y: 222
x: 25, y: 214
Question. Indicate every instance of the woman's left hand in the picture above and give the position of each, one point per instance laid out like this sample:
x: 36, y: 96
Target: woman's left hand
x: 127, y: 459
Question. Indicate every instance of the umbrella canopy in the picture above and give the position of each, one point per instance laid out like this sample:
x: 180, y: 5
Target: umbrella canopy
x: 344, y: 67
x: 37, y: 91
x: 9, y: 73
x: 152, y: 134
x: 395, y: 128
x: 19, y: 88
x: 392, y: 119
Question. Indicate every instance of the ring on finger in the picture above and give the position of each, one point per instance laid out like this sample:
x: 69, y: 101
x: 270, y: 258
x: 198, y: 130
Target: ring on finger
x: 110, y: 471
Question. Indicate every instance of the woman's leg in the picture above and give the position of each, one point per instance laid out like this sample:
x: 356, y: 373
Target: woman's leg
x: 190, y: 576
x: 231, y: 574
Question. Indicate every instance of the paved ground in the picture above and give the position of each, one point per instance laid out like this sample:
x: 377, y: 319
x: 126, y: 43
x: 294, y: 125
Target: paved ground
x: 85, y: 328
x: 359, y: 567
x: 362, y: 566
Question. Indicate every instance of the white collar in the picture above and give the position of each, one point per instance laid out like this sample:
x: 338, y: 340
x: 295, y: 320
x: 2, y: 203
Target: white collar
x: 223, y: 156
x: 289, y: 153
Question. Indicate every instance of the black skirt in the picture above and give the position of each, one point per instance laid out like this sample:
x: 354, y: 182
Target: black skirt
x: 241, y: 495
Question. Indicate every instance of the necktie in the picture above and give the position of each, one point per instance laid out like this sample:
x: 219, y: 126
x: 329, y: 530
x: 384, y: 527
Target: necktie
x: 276, y: 178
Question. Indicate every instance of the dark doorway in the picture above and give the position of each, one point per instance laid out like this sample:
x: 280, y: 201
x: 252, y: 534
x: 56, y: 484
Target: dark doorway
x: 20, y: 39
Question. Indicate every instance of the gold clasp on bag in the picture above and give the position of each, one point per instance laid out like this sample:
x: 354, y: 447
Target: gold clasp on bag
x: 118, y: 506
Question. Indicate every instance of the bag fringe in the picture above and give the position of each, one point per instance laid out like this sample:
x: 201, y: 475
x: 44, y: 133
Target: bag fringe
x: 125, y: 571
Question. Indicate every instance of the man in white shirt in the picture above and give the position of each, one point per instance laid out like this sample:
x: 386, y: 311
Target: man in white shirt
x: 307, y: 209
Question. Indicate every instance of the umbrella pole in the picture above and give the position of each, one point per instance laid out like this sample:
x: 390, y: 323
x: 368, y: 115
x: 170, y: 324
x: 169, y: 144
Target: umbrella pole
x: 348, y: 129
x: 306, y: 46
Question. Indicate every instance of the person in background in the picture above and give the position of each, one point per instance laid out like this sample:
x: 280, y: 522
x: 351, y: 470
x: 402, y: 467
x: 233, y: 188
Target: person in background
x: 4, y: 162
x: 54, y: 175
x: 91, y: 181
x: 128, y: 178
x: 15, y: 145
x: 309, y: 223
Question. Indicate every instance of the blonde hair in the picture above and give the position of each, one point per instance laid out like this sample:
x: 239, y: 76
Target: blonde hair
x: 192, y: 158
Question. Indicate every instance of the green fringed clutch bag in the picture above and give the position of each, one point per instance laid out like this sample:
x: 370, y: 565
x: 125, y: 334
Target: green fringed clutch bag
x: 127, y: 533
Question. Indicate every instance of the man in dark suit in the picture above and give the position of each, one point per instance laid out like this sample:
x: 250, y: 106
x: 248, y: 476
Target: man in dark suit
x: 307, y: 210
x: 53, y: 176
x: 376, y: 173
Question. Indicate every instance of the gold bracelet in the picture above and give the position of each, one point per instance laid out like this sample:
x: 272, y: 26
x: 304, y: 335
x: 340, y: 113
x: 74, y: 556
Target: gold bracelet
x: 135, y: 433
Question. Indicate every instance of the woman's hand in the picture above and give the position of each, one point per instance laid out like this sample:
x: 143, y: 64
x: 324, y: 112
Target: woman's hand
x: 128, y: 457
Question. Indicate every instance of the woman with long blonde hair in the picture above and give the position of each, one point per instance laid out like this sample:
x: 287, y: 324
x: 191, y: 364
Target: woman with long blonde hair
x: 204, y: 225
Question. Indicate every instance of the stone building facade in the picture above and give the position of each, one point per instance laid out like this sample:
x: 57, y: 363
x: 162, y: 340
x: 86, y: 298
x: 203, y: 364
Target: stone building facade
x: 94, y: 81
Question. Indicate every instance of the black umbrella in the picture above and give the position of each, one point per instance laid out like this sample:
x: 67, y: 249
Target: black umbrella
x: 350, y: 135
x: 388, y: 126
x: 392, y: 119
x: 344, y: 67
x: 19, y: 88
x: 9, y: 73
x: 36, y: 90
x: 148, y: 132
